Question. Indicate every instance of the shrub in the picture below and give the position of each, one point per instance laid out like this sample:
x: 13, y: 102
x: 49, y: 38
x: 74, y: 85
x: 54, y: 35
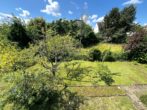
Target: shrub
x: 95, y: 55
x: 40, y: 92
x: 108, y: 56
x: 142, y: 59
x: 137, y: 45
x: 143, y: 99
x: 106, y: 75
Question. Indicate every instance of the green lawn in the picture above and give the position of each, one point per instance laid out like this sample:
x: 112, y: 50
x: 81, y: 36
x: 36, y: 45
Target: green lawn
x: 108, y: 103
x: 128, y: 73
x: 99, y: 91
x: 115, y: 48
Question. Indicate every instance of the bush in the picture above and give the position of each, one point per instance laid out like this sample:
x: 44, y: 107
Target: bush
x: 95, y: 55
x: 106, y: 75
x: 143, y: 99
x: 18, y: 33
x: 40, y: 92
x: 137, y: 45
x: 108, y: 56
x: 89, y: 39
x: 142, y: 59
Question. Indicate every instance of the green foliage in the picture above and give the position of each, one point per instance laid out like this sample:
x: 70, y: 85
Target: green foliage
x: 137, y: 46
x: 127, y: 17
x: 27, y: 58
x: 143, y: 99
x: 40, y: 92
x: 107, y: 55
x: 4, y: 30
x: 76, y: 29
x: 18, y: 33
x: 95, y: 55
x: 142, y: 59
x: 8, y: 55
x: 36, y: 29
x: 86, y: 35
x: 106, y: 75
x: 58, y: 48
x: 74, y: 71
x: 117, y: 23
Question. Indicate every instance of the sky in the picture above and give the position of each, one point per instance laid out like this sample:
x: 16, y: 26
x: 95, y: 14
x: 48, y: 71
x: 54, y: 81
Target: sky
x: 95, y: 10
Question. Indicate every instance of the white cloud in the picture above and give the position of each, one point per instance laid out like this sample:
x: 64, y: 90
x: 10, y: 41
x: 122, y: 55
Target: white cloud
x: 70, y: 12
x: 85, y: 18
x: 135, y: 22
x: 96, y: 29
x: 133, y: 2
x: 100, y: 19
x: 23, y: 13
x: 52, y: 8
x: 5, y: 15
x: 145, y: 24
x: 92, y: 21
x: 94, y: 16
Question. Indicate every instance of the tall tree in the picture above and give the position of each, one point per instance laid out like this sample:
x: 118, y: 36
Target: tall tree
x: 111, y: 22
x: 37, y: 29
x: 117, y: 23
x: 127, y: 17
x: 18, y: 32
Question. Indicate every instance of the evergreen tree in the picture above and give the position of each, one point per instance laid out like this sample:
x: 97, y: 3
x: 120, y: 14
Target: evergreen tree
x: 117, y: 23
x: 18, y: 33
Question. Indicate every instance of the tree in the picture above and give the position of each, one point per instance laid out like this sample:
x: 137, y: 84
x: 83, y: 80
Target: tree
x: 127, y: 17
x: 85, y: 35
x: 45, y: 90
x: 117, y: 23
x: 37, y: 29
x: 57, y: 49
x: 77, y: 29
x: 40, y: 92
x: 111, y: 22
x: 137, y: 44
x: 18, y: 33
x: 61, y: 26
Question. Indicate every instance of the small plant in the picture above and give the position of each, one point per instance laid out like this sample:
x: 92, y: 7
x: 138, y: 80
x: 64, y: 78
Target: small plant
x: 95, y: 55
x: 108, y: 56
x: 143, y: 99
x: 106, y: 75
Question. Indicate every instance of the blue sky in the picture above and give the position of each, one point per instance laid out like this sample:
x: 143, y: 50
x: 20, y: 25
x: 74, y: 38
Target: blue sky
x: 69, y: 9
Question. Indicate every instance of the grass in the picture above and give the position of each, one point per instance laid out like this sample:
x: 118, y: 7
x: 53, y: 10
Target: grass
x: 143, y: 99
x: 100, y: 91
x: 128, y: 73
x: 100, y: 97
x: 115, y: 48
x: 108, y: 103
